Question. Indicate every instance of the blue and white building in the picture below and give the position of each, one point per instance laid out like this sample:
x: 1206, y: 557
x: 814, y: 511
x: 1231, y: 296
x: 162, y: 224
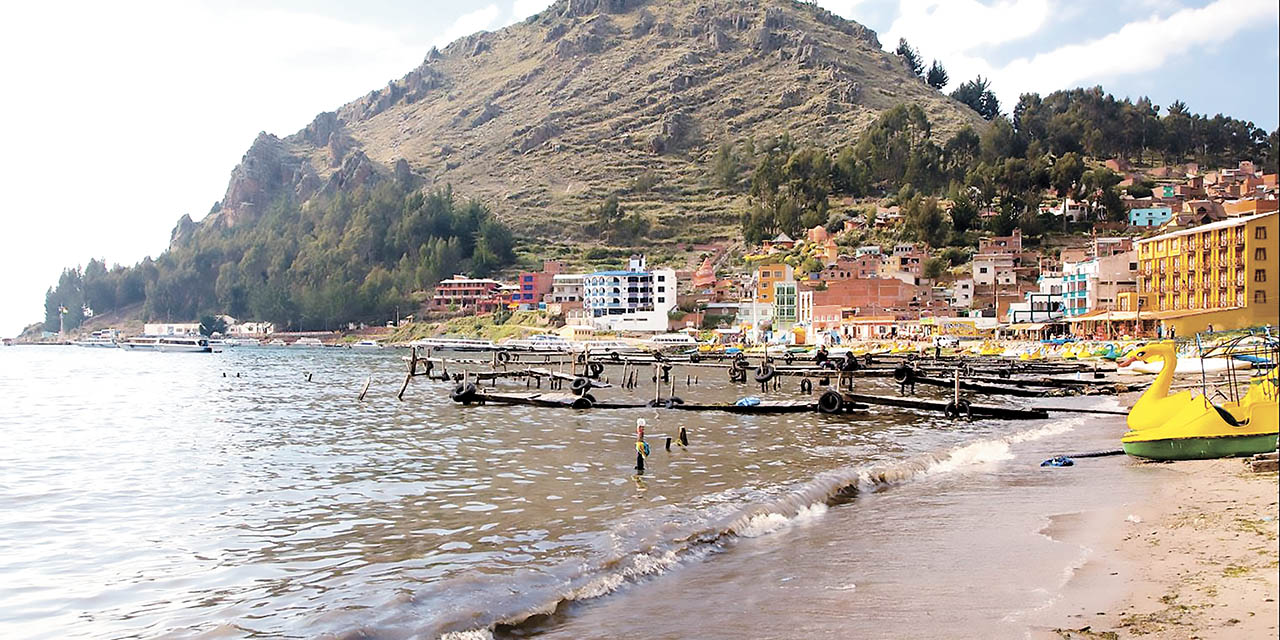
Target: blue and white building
x: 633, y: 299
x: 1149, y: 216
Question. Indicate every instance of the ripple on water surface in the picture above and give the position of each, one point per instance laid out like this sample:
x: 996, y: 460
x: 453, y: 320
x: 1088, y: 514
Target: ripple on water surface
x: 142, y: 493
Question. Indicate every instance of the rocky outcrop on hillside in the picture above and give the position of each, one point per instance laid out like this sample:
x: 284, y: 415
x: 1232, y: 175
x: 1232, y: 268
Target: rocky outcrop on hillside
x: 546, y: 117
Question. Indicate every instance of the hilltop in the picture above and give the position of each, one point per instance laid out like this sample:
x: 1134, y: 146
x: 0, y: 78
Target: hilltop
x: 544, y: 119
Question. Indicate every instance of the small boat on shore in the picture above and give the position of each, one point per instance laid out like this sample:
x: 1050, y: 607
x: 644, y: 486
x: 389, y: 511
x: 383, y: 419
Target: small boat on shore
x: 366, y: 344
x: 168, y: 344
x: 1186, y: 427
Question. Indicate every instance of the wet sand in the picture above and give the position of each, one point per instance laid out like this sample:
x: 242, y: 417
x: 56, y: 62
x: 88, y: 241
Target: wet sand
x: 1198, y: 560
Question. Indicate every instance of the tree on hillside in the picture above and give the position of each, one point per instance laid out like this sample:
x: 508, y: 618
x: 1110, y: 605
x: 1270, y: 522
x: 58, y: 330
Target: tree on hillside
x: 725, y: 167
x: 964, y: 211
x: 933, y: 268
x: 937, y: 76
x: 978, y: 95
x: 924, y: 220
x: 1066, y: 173
x: 211, y: 324
x: 911, y: 56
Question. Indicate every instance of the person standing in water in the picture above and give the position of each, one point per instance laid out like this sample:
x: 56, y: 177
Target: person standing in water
x: 642, y: 447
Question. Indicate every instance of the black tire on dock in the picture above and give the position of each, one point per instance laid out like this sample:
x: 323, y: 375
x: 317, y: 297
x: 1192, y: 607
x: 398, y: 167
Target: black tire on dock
x: 503, y: 356
x: 806, y: 386
x: 582, y: 402
x: 866, y: 359
x: 954, y: 410
x: 741, y: 364
x: 580, y: 385
x: 615, y: 356
x: 595, y: 368
x: 765, y: 372
x: 694, y: 357
x: 789, y: 358
x: 463, y: 392
x: 830, y: 402
x: 904, y: 374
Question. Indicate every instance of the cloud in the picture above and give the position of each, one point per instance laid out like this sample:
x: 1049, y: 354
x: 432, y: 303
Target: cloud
x: 522, y: 9
x: 131, y: 115
x: 1138, y: 47
x: 961, y: 34
x: 955, y: 26
x: 481, y: 19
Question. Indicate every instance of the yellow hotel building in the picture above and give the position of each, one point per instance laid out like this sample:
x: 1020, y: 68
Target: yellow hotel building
x: 1221, y: 275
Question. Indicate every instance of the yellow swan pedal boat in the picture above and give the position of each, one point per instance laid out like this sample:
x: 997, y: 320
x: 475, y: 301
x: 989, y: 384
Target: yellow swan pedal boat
x: 1182, y: 427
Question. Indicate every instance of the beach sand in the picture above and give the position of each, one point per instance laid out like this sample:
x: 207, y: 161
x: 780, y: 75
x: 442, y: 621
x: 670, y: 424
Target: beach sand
x: 1197, y: 560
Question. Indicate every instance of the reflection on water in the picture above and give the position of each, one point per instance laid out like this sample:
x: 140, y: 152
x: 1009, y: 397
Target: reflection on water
x: 143, y: 494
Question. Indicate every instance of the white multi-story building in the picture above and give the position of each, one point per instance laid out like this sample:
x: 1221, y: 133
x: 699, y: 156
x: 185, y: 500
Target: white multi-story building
x: 634, y: 299
x: 1095, y: 283
x: 804, y: 308
x: 566, y: 287
x: 962, y: 294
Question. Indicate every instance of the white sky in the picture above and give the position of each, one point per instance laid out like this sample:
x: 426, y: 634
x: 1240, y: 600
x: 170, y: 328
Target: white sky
x: 122, y: 116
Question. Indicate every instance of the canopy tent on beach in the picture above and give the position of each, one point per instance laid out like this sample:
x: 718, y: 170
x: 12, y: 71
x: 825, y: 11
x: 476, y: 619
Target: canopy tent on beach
x: 1104, y: 324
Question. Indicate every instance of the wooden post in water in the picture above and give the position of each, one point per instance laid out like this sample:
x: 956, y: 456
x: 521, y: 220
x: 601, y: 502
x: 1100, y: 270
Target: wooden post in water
x: 367, y: 382
x: 657, y: 383
x: 957, y: 392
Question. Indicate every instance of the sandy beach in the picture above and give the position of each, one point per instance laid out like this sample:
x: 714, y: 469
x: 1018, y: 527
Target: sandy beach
x: 1197, y: 560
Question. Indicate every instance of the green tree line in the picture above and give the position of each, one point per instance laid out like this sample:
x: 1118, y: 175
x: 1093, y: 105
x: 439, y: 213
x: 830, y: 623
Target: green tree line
x: 1004, y: 167
x: 352, y: 257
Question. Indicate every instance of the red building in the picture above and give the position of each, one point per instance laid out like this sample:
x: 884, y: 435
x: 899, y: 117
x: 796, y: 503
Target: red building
x: 460, y: 292
x: 872, y: 295
x: 533, y: 285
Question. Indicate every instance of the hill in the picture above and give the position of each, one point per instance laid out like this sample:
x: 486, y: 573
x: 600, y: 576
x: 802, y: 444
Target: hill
x: 544, y: 119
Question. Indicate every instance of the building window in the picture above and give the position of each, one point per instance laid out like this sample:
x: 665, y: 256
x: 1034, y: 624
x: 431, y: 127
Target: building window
x: 982, y: 269
x: 1259, y: 297
x: 1260, y: 253
x: 1260, y: 233
x: 1259, y: 275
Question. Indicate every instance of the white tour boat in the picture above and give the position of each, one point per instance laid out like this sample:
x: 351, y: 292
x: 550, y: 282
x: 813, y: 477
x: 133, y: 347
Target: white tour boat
x: 546, y: 343
x: 101, y: 339
x: 673, y: 341
x: 169, y: 344
x: 307, y: 342
x: 456, y: 344
x: 366, y: 344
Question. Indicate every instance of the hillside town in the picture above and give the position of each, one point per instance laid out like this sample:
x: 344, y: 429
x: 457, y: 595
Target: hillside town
x: 1192, y: 257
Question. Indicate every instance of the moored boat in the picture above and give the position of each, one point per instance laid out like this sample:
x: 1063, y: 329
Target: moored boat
x: 168, y: 344
x: 366, y: 344
x: 1186, y: 427
x: 445, y: 343
x: 102, y: 339
x: 546, y: 343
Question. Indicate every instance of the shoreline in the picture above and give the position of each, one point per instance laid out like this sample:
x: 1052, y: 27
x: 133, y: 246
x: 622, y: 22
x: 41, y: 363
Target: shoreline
x: 1197, y: 559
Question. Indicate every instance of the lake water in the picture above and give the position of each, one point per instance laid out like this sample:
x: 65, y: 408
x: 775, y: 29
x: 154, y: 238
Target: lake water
x: 225, y: 495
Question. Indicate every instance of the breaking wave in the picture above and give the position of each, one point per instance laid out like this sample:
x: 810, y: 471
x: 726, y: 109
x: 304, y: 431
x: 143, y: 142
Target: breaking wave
x: 649, y: 544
